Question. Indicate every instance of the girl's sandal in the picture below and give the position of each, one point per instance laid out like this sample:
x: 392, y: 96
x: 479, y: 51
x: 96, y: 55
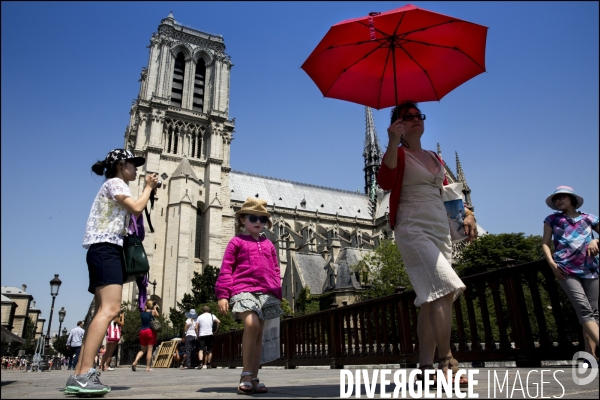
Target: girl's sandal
x: 260, y: 387
x: 245, y: 387
x: 451, y: 363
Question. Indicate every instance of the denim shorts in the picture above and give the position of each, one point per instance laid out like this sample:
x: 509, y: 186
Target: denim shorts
x: 105, y: 265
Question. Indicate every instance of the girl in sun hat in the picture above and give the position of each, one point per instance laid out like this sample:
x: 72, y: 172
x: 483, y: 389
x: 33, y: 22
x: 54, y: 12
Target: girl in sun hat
x: 575, y: 258
x: 103, y: 239
x: 249, y: 280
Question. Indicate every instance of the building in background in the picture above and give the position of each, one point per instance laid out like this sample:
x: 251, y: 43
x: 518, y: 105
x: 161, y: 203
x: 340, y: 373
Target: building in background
x: 20, y: 309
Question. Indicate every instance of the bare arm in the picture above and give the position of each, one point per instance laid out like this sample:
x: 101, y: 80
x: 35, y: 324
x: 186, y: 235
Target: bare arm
x: 395, y: 134
x: 546, y: 242
x: 136, y: 207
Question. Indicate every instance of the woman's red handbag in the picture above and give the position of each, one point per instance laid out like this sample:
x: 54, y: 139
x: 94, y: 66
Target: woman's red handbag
x: 113, y: 334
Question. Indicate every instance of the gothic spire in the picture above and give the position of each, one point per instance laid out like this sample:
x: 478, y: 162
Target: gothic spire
x: 460, y: 175
x: 372, y: 155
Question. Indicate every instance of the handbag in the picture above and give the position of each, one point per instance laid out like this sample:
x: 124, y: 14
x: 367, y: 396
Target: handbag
x: 113, y: 333
x: 214, y: 324
x: 136, y: 261
x: 455, y: 210
x: 155, y: 325
x: 270, y: 341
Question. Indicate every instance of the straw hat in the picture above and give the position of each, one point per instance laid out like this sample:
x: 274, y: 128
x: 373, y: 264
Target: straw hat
x: 254, y: 206
x: 567, y: 190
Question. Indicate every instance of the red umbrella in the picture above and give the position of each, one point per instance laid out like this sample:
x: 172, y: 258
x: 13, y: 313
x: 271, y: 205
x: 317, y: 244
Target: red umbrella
x: 404, y: 54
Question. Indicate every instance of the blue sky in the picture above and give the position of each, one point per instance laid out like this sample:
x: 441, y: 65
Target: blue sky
x: 70, y: 71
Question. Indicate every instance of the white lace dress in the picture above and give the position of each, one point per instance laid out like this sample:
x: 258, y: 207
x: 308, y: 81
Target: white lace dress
x: 423, y: 235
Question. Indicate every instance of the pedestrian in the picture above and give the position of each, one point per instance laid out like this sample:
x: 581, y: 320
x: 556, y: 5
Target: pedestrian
x: 113, y: 336
x: 179, y: 353
x: 574, y: 261
x: 204, y: 328
x: 250, y: 281
x: 106, y: 226
x: 74, y: 342
x: 190, y: 337
x: 418, y: 216
x: 147, y: 335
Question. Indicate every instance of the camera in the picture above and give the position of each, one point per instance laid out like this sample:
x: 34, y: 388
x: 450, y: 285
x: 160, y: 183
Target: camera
x: 159, y: 184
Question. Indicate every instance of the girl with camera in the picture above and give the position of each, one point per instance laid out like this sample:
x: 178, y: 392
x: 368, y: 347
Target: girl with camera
x: 104, y: 232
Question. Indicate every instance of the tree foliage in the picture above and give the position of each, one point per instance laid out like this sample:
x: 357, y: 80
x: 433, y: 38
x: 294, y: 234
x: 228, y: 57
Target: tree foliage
x: 489, y: 251
x: 382, y: 271
x: 60, y: 344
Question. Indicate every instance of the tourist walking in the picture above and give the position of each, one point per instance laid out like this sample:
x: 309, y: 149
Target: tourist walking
x: 113, y: 336
x: 106, y: 226
x: 74, y: 342
x: 574, y: 261
x: 250, y: 281
x: 416, y: 178
x: 204, y: 328
x: 190, y: 337
x: 147, y: 335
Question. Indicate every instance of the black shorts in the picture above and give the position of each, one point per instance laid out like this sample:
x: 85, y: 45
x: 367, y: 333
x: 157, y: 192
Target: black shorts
x: 205, y: 343
x: 105, y: 265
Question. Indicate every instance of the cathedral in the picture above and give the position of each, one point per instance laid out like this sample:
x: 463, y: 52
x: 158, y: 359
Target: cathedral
x: 180, y: 123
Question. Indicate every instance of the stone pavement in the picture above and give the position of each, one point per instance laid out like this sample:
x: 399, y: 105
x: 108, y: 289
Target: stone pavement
x: 220, y: 383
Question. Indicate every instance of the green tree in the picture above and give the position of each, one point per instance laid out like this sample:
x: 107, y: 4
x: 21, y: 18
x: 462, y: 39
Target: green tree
x: 60, y: 344
x: 382, y: 271
x: 488, y: 252
x: 29, y: 336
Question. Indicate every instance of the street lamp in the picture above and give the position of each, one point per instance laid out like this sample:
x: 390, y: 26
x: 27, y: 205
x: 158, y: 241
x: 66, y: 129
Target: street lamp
x: 64, y: 331
x: 61, y: 318
x: 153, y: 287
x: 54, y: 286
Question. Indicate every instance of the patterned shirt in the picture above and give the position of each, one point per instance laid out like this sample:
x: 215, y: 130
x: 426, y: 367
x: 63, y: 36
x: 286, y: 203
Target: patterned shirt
x: 108, y: 218
x: 571, y: 239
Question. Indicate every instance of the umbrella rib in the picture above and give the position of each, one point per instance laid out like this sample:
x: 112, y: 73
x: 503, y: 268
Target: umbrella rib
x: 382, y: 75
x: 445, y: 47
x: 380, y: 41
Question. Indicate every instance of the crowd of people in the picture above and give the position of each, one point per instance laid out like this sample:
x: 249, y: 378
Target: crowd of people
x: 248, y: 284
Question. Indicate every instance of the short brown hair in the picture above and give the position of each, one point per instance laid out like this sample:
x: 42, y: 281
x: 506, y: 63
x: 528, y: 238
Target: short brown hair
x: 401, y: 109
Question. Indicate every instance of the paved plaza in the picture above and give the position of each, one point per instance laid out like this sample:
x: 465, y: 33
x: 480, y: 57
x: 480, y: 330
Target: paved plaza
x: 219, y: 383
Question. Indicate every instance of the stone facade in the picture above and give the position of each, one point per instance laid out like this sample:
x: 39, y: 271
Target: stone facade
x: 180, y: 123
x: 22, y: 300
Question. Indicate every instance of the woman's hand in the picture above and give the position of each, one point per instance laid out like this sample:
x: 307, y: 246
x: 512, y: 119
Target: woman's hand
x: 152, y: 180
x: 470, y: 228
x: 559, y: 273
x: 223, y: 305
x: 395, y: 134
x: 592, y: 249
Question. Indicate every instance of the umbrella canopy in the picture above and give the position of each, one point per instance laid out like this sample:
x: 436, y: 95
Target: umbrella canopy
x: 404, y: 54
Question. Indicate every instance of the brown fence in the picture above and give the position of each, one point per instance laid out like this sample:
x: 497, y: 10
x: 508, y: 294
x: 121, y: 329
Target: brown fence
x: 516, y: 313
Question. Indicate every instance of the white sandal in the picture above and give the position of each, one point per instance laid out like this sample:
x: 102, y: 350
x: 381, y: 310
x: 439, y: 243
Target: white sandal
x: 245, y: 387
x: 260, y: 387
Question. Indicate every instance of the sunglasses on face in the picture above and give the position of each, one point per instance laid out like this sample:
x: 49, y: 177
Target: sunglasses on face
x: 254, y: 218
x: 558, y: 197
x: 411, y: 117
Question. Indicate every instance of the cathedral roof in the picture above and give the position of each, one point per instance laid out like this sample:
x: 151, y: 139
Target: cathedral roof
x: 288, y: 194
x: 311, y: 267
x: 345, y: 276
x: 184, y: 169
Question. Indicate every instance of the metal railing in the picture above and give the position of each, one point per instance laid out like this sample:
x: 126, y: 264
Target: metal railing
x: 516, y: 313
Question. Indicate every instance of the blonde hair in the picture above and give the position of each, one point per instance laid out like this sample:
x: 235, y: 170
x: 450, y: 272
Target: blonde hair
x: 149, y: 304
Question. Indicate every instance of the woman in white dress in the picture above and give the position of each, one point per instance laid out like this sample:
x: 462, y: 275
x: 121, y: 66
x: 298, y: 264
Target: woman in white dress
x: 418, y: 217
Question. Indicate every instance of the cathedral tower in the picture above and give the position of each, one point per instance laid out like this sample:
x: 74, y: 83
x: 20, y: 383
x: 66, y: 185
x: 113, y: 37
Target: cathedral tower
x: 180, y: 123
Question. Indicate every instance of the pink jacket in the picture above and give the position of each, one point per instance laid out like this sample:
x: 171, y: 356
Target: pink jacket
x: 249, y: 266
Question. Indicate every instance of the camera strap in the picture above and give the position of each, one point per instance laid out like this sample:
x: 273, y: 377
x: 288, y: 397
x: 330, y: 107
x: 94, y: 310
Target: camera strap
x: 152, y: 208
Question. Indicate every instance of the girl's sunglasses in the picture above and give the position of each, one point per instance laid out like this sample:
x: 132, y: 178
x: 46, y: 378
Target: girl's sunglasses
x: 254, y: 218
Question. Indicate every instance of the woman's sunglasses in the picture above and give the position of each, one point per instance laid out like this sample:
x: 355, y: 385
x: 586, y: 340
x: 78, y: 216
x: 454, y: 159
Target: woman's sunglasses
x: 254, y: 218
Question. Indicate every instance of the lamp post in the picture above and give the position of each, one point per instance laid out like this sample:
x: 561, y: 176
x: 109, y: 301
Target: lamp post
x: 61, y: 317
x: 64, y: 331
x: 54, y: 286
x: 153, y: 283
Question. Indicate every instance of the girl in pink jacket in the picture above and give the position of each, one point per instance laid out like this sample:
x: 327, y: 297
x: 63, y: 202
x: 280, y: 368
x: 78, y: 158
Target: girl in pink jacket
x: 249, y: 280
